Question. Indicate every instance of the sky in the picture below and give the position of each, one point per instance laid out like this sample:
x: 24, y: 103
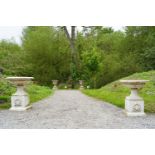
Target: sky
x: 11, y: 33
x: 15, y: 32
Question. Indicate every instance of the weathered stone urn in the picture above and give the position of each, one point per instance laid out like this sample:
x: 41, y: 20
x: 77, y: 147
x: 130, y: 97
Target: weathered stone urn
x: 20, y: 99
x: 81, y: 84
x: 55, y: 83
x: 134, y: 104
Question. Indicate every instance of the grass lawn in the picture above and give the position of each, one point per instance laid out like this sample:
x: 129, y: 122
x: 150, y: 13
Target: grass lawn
x: 35, y: 92
x: 115, y: 92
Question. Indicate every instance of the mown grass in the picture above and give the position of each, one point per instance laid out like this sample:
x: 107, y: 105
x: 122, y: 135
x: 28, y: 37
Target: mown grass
x: 35, y: 92
x: 115, y: 92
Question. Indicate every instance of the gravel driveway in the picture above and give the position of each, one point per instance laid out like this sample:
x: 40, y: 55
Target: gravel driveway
x: 72, y: 109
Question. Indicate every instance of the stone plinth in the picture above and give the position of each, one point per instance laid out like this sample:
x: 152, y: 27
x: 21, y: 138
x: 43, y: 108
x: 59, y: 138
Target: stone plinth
x: 134, y: 104
x: 81, y: 84
x: 55, y: 83
x: 20, y: 99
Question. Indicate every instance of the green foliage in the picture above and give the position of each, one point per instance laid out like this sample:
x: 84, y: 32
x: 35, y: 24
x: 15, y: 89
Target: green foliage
x: 102, y: 54
x: 140, y: 41
x: 6, y: 88
x: 47, y: 52
x: 149, y: 58
x: 74, y: 72
x: 62, y: 86
x: 37, y: 92
x: 90, y: 65
x: 12, y: 58
x: 115, y: 92
x: 91, y: 60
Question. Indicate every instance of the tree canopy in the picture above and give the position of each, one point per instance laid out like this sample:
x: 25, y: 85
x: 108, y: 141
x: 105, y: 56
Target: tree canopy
x: 95, y: 54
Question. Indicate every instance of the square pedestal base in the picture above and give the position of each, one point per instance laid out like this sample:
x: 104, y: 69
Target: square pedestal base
x: 20, y: 108
x: 134, y: 107
x: 19, y: 102
x: 81, y: 87
x: 55, y: 88
x: 135, y: 114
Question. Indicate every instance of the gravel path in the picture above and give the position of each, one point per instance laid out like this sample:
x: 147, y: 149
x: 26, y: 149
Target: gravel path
x: 72, y: 109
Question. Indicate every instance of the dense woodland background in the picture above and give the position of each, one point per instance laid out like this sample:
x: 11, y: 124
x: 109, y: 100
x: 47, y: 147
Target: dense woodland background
x: 98, y: 55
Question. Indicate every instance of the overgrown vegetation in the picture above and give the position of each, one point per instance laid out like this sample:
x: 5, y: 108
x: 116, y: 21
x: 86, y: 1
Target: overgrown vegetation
x: 115, y: 92
x: 102, y: 55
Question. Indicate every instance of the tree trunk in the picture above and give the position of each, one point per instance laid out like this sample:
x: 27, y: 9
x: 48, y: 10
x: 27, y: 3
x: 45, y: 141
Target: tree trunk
x: 71, y: 39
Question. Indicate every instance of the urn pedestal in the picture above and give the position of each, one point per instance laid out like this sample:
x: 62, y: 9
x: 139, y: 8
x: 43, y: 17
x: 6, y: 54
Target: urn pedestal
x: 81, y: 84
x: 134, y: 104
x: 55, y: 82
x: 20, y: 99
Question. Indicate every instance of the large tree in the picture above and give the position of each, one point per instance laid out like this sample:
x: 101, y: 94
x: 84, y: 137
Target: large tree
x: 74, y: 69
x: 47, y: 52
x: 12, y: 58
x: 140, y: 42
